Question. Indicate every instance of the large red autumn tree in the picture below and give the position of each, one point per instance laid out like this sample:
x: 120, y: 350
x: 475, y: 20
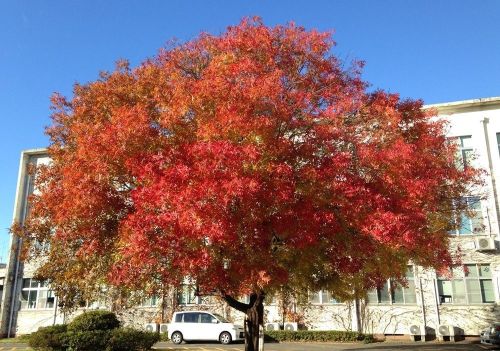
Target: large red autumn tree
x: 246, y: 161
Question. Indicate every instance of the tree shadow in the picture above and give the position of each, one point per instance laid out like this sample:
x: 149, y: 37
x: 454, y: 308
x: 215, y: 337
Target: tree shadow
x: 429, y: 346
x: 211, y: 342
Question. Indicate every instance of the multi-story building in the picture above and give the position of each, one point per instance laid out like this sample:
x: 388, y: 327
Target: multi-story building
x: 467, y: 300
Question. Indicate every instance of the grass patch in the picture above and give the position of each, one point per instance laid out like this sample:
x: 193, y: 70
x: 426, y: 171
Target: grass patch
x: 23, y: 339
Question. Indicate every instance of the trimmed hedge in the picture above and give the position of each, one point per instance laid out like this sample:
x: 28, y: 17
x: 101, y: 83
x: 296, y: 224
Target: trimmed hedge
x: 164, y: 337
x: 49, y: 338
x: 94, y: 320
x: 91, y: 340
x: 128, y: 339
x: 92, y: 331
x: 317, y: 335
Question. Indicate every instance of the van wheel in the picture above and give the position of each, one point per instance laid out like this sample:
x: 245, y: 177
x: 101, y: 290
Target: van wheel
x: 177, y: 337
x: 225, y: 338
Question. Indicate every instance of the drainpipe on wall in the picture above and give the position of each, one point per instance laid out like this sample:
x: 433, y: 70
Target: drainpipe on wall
x: 485, y: 122
x: 55, y: 310
x: 497, y: 281
x: 437, y: 303
x: 424, y: 319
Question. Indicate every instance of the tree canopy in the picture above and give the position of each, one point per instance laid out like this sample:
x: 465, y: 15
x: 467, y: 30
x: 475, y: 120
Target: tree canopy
x: 247, y: 161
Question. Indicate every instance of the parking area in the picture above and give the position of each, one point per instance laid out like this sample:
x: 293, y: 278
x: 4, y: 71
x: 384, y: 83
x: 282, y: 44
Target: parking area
x: 383, y: 346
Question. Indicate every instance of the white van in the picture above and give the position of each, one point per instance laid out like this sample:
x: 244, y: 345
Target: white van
x: 201, y: 325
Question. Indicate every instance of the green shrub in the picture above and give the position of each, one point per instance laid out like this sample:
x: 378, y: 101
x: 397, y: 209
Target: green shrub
x: 48, y: 338
x: 23, y: 338
x: 127, y: 339
x: 316, y: 335
x: 92, y: 331
x: 164, y: 337
x: 92, y: 340
x: 369, y: 338
x: 94, y: 320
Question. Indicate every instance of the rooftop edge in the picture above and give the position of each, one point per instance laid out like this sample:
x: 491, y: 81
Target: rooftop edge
x: 464, y: 103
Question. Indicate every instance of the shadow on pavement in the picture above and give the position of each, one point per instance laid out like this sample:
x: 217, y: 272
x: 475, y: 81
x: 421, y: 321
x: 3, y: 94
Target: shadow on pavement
x: 208, y: 342
x: 429, y: 346
x: 380, y: 346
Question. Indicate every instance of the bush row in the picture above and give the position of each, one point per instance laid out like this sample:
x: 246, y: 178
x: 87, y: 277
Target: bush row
x: 92, y: 331
x: 316, y: 335
x: 94, y: 320
x: 122, y: 339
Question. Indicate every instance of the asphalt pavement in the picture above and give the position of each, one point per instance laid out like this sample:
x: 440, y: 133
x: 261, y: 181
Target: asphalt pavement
x: 309, y: 346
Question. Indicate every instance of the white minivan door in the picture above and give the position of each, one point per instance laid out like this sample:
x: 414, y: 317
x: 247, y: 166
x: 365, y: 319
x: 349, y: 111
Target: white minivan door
x: 209, y: 327
x: 191, y: 326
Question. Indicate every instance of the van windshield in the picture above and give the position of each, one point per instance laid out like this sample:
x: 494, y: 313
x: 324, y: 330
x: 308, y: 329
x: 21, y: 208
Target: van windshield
x: 220, y: 318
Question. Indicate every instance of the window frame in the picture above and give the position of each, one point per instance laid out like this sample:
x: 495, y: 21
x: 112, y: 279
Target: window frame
x: 465, y: 279
x: 498, y: 143
x: 321, y: 294
x: 465, y: 151
x: 151, y: 301
x: 41, y: 292
x: 187, y: 292
x: 390, y: 286
x: 478, y: 217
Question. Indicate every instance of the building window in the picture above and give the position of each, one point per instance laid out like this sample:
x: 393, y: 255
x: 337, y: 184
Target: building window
x: 466, y: 153
x: 36, y: 294
x: 393, y: 292
x: 29, y: 293
x: 151, y: 301
x: 498, y: 143
x: 321, y: 297
x: 270, y: 299
x: 46, y: 298
x: 245, y: 298
x: 473, y: 224
x: 186, y: 295
x: 469, y: 285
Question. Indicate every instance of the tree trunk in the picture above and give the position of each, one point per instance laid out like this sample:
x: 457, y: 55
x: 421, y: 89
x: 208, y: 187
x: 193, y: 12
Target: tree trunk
x: 254, y: 317
x: 357, y: 305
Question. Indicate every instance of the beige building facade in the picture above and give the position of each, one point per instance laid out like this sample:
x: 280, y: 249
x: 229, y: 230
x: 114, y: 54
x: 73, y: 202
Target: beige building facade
x: 468, y: 300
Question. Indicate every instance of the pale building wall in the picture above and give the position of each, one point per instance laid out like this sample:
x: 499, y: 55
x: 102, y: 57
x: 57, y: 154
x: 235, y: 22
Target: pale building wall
x: 479, y: 119
x: 14, y: 269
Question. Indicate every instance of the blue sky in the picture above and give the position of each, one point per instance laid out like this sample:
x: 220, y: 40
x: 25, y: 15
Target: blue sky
x: 439, y: 51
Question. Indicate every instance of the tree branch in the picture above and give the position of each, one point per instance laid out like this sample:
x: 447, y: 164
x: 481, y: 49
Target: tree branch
x: 240, y: 306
